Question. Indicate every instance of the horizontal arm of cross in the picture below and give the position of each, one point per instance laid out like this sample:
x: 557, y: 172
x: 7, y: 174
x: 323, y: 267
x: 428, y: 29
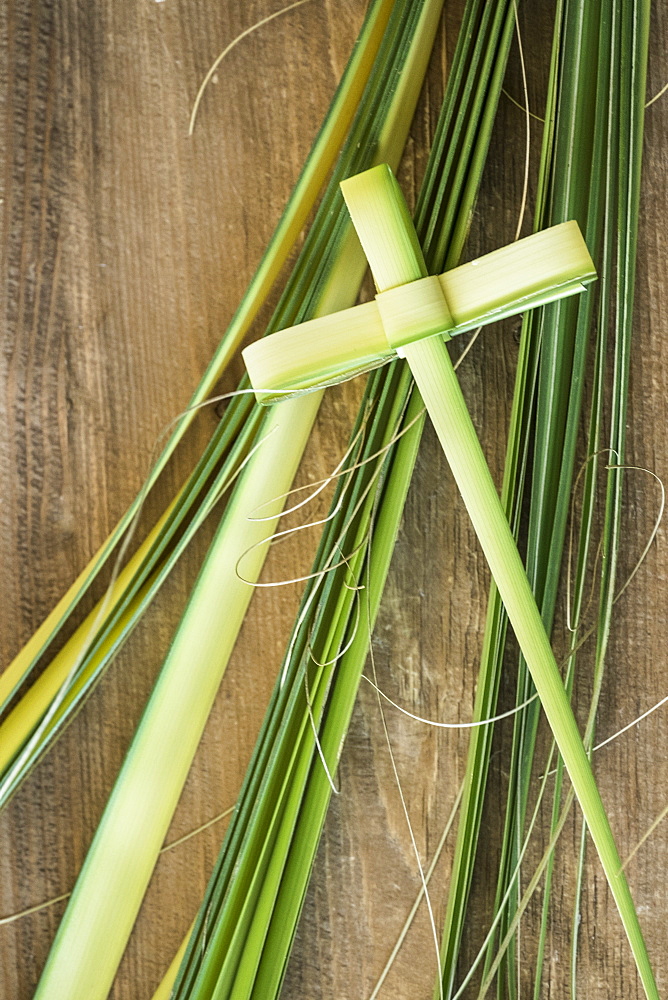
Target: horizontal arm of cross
x: 541, y: 268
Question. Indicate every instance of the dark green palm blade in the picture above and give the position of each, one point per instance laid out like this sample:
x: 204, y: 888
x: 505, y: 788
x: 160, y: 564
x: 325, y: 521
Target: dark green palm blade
x: 634, y: 31
x: 633, y: 71
x: 473, y: 41
x: 480, y: 740
x: 571, y: 170
x: 457, y: 216
x: 600, y: 235
x: 475, y: 107
x: 547, y: 553
x: 558, y: 397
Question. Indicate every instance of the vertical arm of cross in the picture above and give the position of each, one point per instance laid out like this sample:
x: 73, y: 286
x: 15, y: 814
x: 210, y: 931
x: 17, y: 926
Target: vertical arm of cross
x: 383, y: 224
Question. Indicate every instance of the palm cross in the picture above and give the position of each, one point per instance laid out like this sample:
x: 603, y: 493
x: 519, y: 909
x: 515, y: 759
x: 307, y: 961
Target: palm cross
x: 413, y: 315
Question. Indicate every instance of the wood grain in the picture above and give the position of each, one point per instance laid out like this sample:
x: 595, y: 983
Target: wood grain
x: 126, y: 246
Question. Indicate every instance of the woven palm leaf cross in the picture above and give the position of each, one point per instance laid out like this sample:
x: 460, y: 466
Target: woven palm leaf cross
x: 413, y: 315
x: 411, y: 306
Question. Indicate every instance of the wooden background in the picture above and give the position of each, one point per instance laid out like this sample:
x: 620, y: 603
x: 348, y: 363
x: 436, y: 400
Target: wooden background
x: 126, y: 247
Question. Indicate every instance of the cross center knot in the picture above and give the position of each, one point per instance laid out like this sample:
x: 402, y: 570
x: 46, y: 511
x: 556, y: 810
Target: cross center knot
x: 413, y: 311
